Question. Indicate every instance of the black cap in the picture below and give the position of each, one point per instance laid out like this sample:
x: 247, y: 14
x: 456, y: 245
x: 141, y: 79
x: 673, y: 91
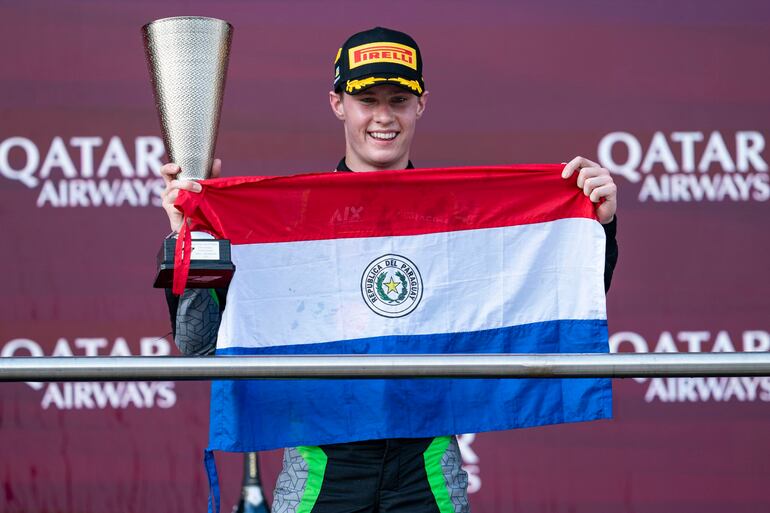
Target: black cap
x: 378, y: 56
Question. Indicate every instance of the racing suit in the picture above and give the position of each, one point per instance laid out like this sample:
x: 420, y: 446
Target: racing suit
x: 415, y: 475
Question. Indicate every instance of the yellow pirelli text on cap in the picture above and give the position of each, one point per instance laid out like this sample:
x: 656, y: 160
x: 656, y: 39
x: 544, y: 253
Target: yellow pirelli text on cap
x: 371, y: 53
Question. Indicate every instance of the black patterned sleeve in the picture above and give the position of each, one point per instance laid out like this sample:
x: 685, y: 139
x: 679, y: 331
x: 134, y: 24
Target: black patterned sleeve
x: 195, y: 318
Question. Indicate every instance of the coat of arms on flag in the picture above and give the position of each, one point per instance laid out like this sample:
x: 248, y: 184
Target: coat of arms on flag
x: 396, y: 297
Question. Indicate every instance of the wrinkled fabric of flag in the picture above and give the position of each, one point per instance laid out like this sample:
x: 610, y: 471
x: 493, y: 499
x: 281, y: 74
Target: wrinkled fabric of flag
x: 480, y: 260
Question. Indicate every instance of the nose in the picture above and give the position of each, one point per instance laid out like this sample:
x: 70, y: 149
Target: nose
x: 383, y: 114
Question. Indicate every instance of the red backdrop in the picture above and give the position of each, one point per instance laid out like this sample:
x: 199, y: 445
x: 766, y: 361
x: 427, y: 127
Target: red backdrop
x: 671, y: 95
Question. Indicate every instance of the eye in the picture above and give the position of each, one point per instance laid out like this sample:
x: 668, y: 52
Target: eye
x: 399, y: 99
x: 367, y: 100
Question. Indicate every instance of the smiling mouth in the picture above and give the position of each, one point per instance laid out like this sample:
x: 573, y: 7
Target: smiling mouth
x: 383, y: 136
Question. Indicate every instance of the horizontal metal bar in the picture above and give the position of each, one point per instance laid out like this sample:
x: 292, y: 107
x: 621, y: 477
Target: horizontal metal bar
x: 623, y: 365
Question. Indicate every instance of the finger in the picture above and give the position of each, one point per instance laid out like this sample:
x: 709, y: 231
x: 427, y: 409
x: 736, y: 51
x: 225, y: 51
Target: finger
x: 216, y: 168
x: 171, y: 196
x: 589, y: 184
x: 572, y: 166
x: 607, y: 192
x: 169, y: 200
x: 576, y: 164
x: 590, y: 172
x: 169, y: 171
x: 188, y: 185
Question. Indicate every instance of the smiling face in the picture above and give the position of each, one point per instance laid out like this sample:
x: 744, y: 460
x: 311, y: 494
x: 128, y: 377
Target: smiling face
x: 379, y: 126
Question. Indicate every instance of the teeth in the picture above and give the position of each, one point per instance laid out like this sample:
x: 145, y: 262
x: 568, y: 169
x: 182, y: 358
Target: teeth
x: 384, y: 136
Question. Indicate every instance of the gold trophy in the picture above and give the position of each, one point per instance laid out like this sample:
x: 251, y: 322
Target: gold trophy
x: 187, y: 57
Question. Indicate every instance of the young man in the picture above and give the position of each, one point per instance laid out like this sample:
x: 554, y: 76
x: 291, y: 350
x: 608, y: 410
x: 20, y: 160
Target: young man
x: 379, y: 94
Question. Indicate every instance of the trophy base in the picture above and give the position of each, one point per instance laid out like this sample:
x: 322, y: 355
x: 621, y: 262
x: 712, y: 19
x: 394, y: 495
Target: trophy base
x: 210, y: 264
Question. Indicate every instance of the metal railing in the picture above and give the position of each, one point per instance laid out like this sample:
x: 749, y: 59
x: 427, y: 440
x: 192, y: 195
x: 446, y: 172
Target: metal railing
x: 624, y: 365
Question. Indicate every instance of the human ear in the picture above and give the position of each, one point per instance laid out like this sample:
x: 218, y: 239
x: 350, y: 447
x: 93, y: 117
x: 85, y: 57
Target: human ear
x: 335, y: 100
x: 422, y: 101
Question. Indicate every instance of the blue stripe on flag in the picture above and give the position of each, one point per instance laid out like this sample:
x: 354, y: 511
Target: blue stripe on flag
x: 260, y: 415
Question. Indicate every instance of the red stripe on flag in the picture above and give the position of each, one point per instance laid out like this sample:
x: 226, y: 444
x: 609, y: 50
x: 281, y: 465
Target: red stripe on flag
x: 318, y: 206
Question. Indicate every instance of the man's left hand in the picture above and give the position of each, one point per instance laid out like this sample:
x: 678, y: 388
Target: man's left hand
x: 597, y: 184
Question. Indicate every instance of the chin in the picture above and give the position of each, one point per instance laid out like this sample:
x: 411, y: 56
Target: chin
x: 385, y: 164
x: 385, y: 158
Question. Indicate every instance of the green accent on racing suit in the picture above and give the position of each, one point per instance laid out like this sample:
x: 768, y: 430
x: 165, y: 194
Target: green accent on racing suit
x: 316, y: 460
x: 432, y: 457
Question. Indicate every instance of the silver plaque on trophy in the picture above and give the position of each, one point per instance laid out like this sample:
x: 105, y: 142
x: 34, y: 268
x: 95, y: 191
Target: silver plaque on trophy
x: 187, y: 58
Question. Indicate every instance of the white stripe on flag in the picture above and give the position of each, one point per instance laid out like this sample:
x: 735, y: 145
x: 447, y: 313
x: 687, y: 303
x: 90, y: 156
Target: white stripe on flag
x: 310, y: 292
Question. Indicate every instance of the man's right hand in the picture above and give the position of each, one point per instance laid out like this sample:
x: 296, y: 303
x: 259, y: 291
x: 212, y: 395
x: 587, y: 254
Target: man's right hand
x: 169, y: 172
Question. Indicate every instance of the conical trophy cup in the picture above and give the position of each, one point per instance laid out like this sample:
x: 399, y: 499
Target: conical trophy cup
x: 187, y: 57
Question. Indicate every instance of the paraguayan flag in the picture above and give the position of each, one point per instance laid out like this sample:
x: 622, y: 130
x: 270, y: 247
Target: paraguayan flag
x: 506, y: 259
